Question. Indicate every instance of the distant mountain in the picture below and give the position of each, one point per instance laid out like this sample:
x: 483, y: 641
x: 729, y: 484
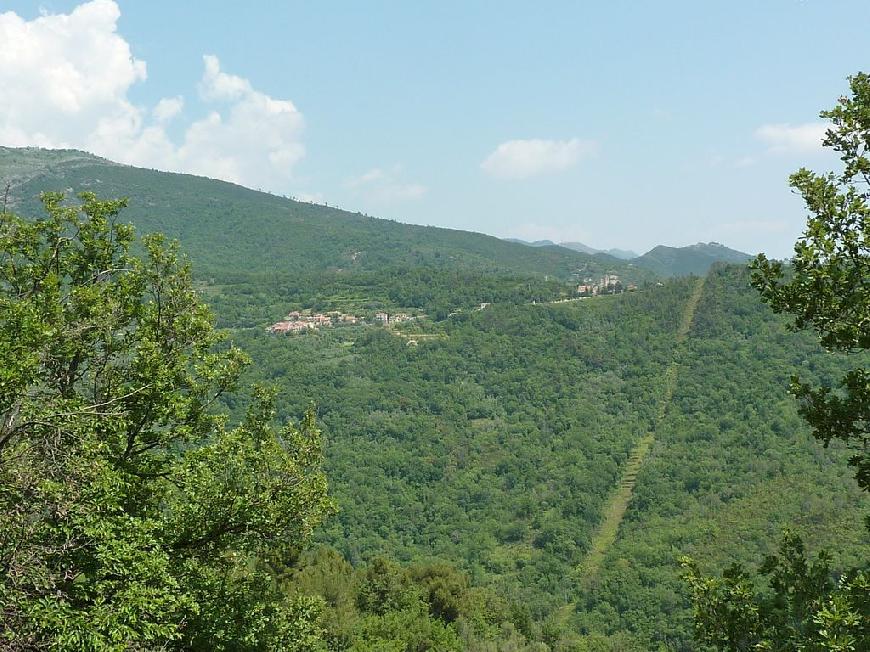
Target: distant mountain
x: 228, y: 229
x: 662, y: 260
x: 536, y: 243
x: 694, y: 259
x: 622, y: 254
x: 579, y: 246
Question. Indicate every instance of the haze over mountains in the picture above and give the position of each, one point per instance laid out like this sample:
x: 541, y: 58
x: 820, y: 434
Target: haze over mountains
x: 624, y: 254
x: 223, y: 225
x: 281, y: 234
x: 663, y: 260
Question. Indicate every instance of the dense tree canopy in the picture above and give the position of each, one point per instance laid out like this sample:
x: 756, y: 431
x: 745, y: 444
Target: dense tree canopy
x: 826, y: 287
x: 129, y: 512
x: 471, y: 470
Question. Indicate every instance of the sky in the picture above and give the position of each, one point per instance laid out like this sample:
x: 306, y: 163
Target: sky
x: 616, y: 124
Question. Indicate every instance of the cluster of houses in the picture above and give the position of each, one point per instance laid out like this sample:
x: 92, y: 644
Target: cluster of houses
x: 607, y: 284
x: 297, y: 322
x: 386, y: 318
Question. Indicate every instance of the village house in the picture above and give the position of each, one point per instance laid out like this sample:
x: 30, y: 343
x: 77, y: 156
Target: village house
x: 289, y: 327
x: 296, y: 321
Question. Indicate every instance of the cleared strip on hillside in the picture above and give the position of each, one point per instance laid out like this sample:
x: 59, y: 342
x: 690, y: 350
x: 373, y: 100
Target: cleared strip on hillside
x: 618, y: 502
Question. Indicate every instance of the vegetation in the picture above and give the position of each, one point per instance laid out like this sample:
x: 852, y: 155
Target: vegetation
x: 472, y: 472
x: 129, y: 513
x: 694, y: 259
x: 830, y: 286
x: 497, y: 448
x: 227, y: 228
x: 827, y: 290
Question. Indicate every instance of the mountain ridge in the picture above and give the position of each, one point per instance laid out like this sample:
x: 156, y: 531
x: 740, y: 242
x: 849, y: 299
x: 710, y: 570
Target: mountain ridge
x: 227, y: 226
x: 223, y: 225
x: 693, y: 259
x: 663, y: 260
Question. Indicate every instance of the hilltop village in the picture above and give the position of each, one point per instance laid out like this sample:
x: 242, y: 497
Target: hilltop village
x: 306, y: 320
x: 607, y: 284
x: 300, y: 322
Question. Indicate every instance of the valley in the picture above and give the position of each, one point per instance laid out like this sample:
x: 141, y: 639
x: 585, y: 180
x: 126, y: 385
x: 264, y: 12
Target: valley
x: 560, y: 451
x: 434, y: 327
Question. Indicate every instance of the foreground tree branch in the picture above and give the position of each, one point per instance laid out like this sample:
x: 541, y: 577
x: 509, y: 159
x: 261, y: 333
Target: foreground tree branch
x: 129, y: 513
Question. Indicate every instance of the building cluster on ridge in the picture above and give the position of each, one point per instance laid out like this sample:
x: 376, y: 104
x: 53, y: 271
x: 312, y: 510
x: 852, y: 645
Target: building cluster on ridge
x: 299, y: 322
x: 386, y: 319
x: 607, y: 284
x: 303, y: 321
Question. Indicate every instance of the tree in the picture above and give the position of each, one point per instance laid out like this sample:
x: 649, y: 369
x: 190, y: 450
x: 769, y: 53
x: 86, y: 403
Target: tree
x: 131, y: 515
x: 804, y: 608
x: 825, y: 287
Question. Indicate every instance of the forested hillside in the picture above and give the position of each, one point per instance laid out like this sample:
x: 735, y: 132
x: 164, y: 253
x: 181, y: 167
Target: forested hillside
x: 266, y: 383
x: 693, y: 259
x: 483, y: 452
x: 733, y: 466
x: 228, y: 229
x: 497, y: 447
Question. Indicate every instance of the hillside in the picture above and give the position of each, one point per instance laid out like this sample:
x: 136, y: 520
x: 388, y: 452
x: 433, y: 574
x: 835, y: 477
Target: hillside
x: 497, y: 445
x: 505, y: 431
x: 224, y: 227
x: 663, y: 261
x: 733, y: 466
x: 621, y: 254
x: 694, y: 259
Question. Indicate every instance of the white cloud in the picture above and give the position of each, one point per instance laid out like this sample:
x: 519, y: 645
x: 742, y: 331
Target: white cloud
x: 520, y: 159
x: 168, y: 108
x: 792, y: 139
x: 61, y: 74
x: 254, y: 141
x: 66, y: 79
x: 385, y: 186
x: 218, y: 85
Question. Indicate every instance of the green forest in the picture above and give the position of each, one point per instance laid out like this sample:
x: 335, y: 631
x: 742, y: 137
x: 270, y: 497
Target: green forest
x: 515, y: 468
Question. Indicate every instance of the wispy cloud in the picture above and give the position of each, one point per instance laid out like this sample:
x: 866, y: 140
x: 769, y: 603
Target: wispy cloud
x: 521, y: 159
x: 792, y: 139
x: 386, y: 186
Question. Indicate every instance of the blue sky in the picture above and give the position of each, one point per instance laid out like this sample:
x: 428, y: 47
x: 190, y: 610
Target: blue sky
x: 619, y: 124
